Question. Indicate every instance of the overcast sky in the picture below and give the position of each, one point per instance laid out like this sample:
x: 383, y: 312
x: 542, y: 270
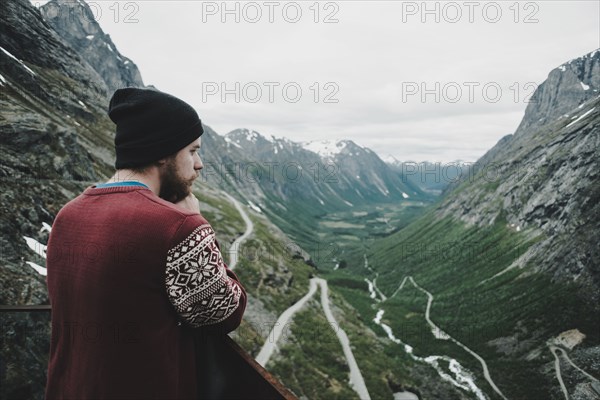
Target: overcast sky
x: 435, y: 81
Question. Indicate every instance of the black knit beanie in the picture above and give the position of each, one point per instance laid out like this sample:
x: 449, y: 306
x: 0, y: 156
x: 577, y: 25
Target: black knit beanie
x: 150, y: 125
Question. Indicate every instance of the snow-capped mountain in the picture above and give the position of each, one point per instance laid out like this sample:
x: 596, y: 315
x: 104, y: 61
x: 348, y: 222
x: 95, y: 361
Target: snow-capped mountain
x: 336, y: 173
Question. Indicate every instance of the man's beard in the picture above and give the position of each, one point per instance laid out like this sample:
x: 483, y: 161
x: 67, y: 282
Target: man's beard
x: 173, y: 187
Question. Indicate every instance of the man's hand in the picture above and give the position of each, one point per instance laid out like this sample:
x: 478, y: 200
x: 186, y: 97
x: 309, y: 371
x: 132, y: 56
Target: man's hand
x: 190, y: 203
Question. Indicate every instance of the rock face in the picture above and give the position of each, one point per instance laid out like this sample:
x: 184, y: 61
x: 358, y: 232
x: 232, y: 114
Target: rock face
x: 567, y: 86
x: 75, y: 22
x: 544, y: 178
x: 53, y: 121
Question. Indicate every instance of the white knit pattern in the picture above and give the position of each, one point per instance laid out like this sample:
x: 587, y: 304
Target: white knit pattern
x: 197, y: 282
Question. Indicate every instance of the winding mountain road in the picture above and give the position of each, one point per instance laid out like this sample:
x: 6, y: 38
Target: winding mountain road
x: 566, y: 356
x: 271, y: 343
x: 554, y: 349
x: 235, y: 246
x: 558, y: 374
x: 356, y: 379
x: 399, y: 287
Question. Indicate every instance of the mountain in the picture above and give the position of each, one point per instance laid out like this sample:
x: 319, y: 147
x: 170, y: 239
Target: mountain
x: 508, y: 261
x: 545, y: 176
x: 566, y: 88
x: 76, y: 24
x: 364, y: 170
x: 351, y: 175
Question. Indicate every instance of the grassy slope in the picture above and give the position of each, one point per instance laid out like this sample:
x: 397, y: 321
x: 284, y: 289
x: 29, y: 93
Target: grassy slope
x: 451, y: 260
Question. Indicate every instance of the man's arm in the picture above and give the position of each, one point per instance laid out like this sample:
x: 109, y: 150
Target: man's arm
x: 204, y: 292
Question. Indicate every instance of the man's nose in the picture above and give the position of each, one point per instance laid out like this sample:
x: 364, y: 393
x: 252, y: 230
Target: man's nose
x: 198, y: 165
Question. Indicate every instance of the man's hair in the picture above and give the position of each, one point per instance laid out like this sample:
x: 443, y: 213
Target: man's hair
x: 142, y: 169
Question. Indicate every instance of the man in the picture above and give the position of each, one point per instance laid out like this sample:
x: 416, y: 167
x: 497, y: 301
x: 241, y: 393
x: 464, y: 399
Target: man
x: 134, y: 270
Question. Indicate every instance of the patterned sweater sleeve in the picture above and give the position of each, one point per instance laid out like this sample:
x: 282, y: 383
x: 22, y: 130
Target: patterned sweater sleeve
x: 204, y: 292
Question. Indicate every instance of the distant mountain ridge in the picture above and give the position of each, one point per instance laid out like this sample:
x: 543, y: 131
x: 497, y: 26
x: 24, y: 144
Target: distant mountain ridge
x: 343, y: 163
x: 431, y: 177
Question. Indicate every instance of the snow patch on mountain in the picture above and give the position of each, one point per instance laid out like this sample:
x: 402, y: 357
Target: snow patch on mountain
x: 17, y: 60
x: 229, y: 141
x: 325, y: 148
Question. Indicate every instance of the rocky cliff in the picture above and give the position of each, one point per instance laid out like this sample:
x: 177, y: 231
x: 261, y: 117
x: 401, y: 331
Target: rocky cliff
x: 544, y: 178
x: 76, y: 24
x: 53, y: 121
x: 566, y: 88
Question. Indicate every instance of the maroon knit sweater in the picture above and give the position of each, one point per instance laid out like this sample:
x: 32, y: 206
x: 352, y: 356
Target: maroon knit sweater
x: 132, y: 278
